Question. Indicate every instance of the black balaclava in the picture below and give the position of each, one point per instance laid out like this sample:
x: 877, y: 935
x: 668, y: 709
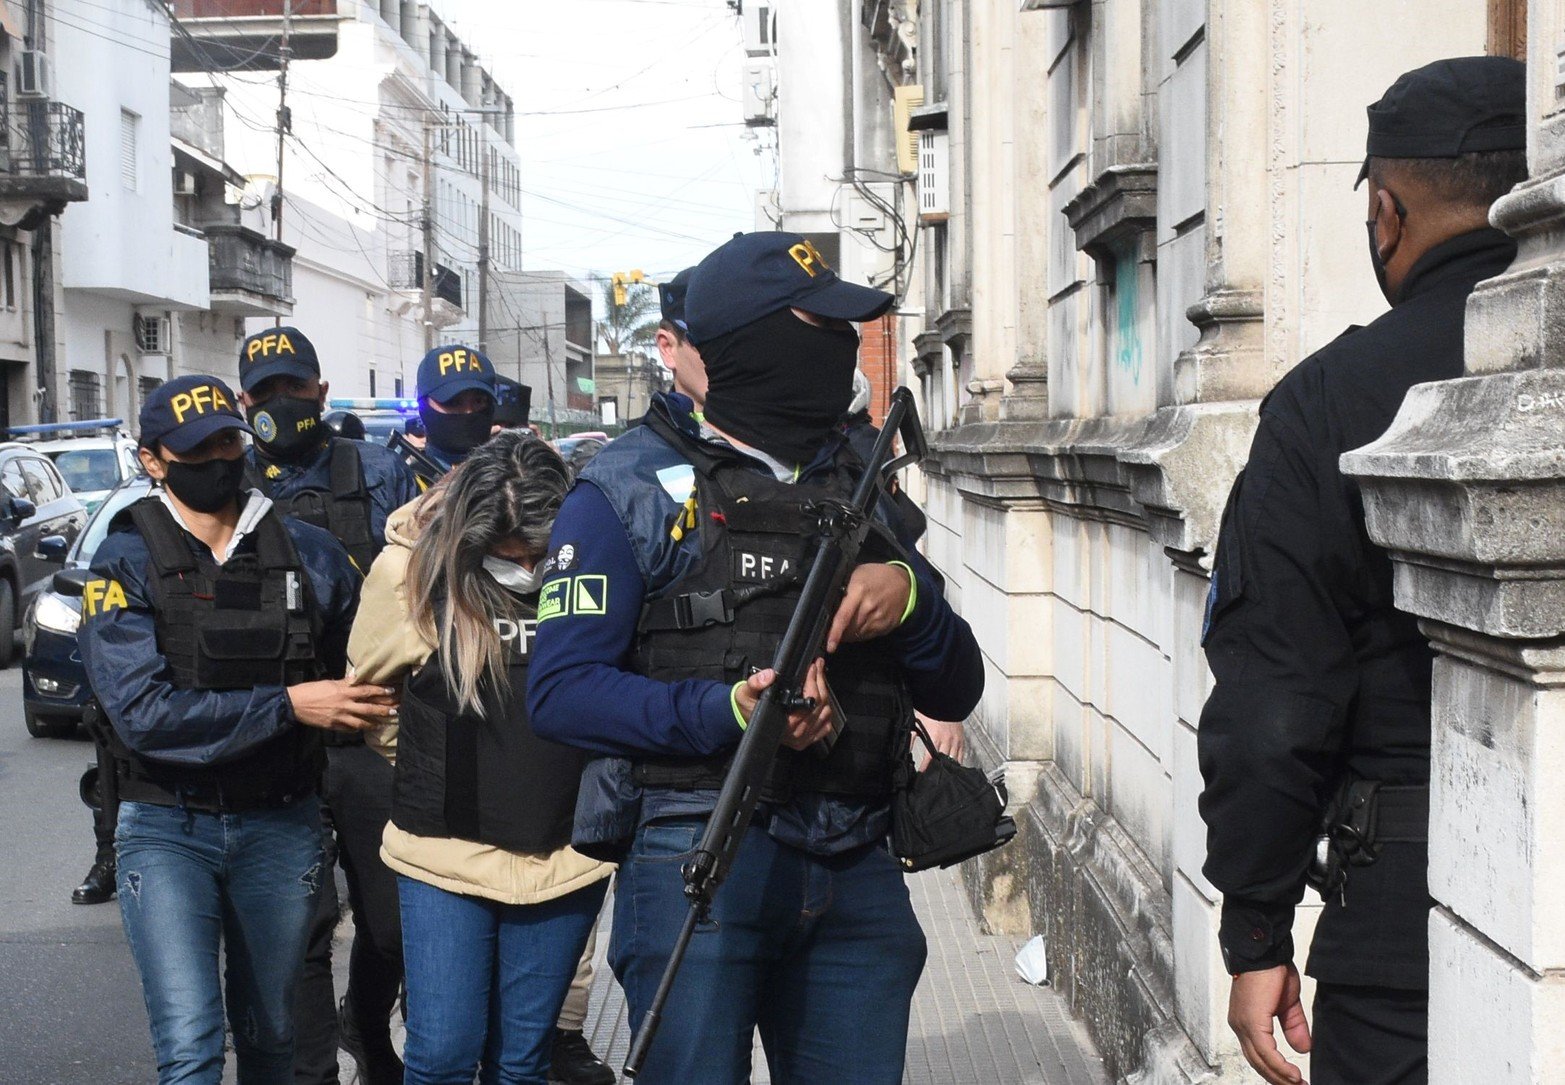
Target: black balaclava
x: 287, y: 427
x: 455, y: 435
x: 779, y: 383
x: 208, y: 486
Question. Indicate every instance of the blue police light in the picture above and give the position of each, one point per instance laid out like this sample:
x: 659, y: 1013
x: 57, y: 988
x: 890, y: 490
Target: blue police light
x: 373, y: 403
x: 66, y: 427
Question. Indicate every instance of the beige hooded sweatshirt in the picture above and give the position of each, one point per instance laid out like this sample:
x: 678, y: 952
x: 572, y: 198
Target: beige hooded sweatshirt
x: 384, y: 648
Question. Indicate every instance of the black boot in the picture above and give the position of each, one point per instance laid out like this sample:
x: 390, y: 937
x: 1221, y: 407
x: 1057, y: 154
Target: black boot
x: 573, y: 1062
x: 370, y: 1047
x: 98, y: 886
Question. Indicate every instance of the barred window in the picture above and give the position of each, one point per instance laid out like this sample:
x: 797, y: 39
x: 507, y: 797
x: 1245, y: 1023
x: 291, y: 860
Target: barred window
x: 86, y: 395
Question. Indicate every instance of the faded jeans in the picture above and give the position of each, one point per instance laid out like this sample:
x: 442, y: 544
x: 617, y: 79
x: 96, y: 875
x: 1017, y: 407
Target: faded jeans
x: 190, y: 882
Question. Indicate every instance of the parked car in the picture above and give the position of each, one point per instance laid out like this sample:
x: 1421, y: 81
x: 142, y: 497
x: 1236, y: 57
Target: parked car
x: 54, y: 684
x: 93, y: 456
x: 380, y: 417
x: 39, y: 520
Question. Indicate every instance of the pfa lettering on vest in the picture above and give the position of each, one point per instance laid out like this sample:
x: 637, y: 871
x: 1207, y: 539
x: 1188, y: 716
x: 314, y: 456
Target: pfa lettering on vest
x: 751, y: 566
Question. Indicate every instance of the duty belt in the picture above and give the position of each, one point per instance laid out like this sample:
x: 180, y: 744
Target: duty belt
x: 1401, y: 814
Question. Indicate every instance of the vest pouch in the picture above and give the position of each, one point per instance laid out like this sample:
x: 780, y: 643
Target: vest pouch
x: 240, y: 656
x: 418, y: 791
x: 309, y: 506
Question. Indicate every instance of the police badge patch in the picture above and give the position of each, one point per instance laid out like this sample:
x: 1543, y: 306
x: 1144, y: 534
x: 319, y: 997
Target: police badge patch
x: 265, y: 427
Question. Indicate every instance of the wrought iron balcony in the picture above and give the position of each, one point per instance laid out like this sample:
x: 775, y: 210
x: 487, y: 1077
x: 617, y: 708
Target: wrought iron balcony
x: 251, y: 274
x: 43, y: 153
x: 406, y: 272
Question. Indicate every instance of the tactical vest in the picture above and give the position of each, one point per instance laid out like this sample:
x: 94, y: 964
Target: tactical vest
x: 485, y: 778
x: 343, y: 508
x: 252, y: 621
x: 725, y: 618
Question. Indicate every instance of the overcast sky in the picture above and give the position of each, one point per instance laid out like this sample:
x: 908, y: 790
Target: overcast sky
x: 629, y: 127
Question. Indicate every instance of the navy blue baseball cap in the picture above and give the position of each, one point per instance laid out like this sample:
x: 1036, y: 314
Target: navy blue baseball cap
x: 755, y: 275
x: 671, y: 298
x: 185, y: 411
x: 275, y: 351
x: 449, y: 371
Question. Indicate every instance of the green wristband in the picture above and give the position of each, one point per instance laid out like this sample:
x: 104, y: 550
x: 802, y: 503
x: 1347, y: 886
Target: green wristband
x: 912, y: 589
x: 733, y: 702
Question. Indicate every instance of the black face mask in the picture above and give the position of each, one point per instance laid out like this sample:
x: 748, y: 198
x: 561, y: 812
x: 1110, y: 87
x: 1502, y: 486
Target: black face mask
x: 780, y: 384
x: 1375, y: 260
x: 286, y: 427
x: 205, y: 487
x: 456, y: 434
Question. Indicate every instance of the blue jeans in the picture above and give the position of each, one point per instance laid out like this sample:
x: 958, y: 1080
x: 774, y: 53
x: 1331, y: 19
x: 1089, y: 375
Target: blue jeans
x: 821, y: 953
x: 485, y: 981
x: 190, y: 882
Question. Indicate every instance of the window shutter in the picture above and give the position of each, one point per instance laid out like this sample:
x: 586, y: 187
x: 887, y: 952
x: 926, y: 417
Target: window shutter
x: 128, y: 123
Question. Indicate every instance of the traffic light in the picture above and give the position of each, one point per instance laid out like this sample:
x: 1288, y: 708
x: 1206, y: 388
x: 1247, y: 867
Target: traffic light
x: 618, y: 279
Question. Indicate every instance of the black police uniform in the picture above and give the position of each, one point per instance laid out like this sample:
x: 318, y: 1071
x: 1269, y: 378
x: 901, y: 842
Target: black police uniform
x: 1321, y: 681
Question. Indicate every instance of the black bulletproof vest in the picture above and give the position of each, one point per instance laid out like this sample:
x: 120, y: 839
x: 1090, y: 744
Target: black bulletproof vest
x: 486, y: 777
x: 726, y: 617
x: 343, y: 509
x: 252, y: 621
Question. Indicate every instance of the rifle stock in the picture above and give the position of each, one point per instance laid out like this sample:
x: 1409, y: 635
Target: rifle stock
x: 843, y: 528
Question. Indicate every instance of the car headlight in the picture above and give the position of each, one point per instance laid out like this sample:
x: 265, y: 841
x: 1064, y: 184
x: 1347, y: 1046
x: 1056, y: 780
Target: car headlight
x: 56, y: 615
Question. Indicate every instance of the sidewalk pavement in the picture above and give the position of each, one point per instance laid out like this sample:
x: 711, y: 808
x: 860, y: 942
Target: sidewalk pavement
x: 973, y: 1020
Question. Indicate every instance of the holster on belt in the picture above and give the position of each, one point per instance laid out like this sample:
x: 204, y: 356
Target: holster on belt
x: 1362, y: 817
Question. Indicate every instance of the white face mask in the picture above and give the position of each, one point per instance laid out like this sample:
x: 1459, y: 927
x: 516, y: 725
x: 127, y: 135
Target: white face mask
x: 511, y: 576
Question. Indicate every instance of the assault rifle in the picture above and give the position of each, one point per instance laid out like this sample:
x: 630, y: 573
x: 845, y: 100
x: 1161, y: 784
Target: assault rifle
x: 842, y: 528
x: 428, y: 471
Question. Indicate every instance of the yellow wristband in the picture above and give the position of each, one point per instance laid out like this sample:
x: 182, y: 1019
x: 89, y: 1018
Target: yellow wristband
x: 912, y: 589
x: 733, y: 702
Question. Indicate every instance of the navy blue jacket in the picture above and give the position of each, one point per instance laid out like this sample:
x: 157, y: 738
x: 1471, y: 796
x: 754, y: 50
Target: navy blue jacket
x: 133, y: 682
x: 391, y: 482
x: 615, y: 545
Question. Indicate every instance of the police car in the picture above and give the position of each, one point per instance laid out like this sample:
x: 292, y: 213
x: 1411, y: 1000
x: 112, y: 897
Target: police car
x: 54, y: 685
x: 93, y: 456
x: 382, y: 417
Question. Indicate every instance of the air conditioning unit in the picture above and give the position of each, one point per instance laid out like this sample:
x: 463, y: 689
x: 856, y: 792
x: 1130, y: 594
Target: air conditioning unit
x: 184, y: 183
x: 760, y: 28
x: 905, y: 99
x: 934, y: 176
x: 758, y: 96
x: 151, y: 333
x: 35, y: 79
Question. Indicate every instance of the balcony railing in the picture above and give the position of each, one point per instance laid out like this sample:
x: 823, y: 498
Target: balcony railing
x: 248, y: 262
x: 406, y: 272
x: 42, y: 150
x: 240, y: 9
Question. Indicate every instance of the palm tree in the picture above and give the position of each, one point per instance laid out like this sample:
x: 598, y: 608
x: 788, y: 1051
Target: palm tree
x: 634, y: 324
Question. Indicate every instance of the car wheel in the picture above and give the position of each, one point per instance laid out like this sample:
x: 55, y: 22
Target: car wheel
x: 7, y: 622
x: 40, y: 725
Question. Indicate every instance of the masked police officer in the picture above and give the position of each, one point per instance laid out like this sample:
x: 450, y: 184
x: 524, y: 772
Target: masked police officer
x: 1315, y: 742
x: 212, y: 631
x: 633, y: 660
x: 349, y: 488
x: 456, y: 403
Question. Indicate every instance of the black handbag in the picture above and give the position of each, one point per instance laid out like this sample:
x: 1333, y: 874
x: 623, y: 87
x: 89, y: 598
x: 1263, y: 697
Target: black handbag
x: 947, y: 813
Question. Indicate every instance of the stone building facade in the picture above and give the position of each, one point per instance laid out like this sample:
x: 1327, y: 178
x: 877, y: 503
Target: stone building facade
x: 1134, y: 216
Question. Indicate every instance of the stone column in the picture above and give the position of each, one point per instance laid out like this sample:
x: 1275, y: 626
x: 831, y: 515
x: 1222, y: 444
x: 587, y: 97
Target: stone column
x: 1467, y: 489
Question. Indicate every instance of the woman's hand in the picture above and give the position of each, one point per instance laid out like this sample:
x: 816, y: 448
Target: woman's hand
x: 806, y: 726
x: 340, y: 704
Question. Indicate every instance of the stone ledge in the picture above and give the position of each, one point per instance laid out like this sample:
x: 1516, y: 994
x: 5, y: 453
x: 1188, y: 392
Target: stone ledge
x: 1073, y: 874
x: 1467, y: 490
x: 1168, y: 472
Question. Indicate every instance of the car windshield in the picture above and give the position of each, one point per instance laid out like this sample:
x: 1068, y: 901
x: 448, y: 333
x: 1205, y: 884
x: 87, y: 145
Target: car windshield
x: 98, y: 526
x: 89, y: 469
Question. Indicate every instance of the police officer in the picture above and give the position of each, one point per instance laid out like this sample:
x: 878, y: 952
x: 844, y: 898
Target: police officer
x: 1315, y: 741
x: 680, y: 357
x: 456, y: 403
x: 212, y: 632
x: 675, y: 564
x: 349, y: 488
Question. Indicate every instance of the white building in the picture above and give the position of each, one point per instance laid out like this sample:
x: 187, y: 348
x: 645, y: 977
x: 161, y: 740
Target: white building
x: 126, y: 265
x: 1132, y: 217
x: 389, y: 109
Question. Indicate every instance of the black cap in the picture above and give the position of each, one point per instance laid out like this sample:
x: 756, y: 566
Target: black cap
x: 755, y: 275
x: 185, y: 411
x: 275, y: 351
x: 671, y: 298
x: 448, y: 371
x: 1464, y: 105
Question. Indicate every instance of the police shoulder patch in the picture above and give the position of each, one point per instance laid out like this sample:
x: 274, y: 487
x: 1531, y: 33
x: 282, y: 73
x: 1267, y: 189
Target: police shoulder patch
x: 99, y: 596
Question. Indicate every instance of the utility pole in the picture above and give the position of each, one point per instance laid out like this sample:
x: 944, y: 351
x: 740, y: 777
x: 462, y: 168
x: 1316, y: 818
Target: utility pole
x: 284, y: 123
x: 426, y: 279
x: 483, y: 240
